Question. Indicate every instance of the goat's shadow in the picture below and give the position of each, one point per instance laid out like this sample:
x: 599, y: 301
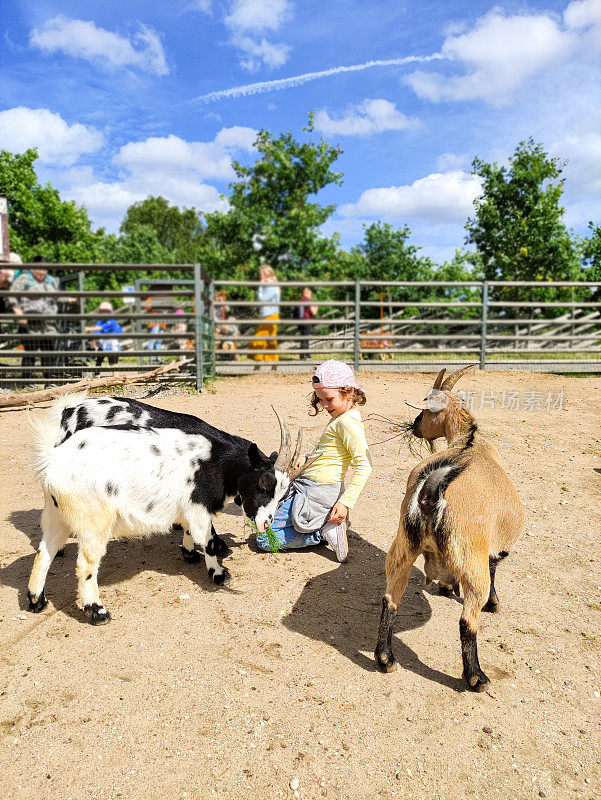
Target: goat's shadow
x: 124, y: 559
x: 342, y: 609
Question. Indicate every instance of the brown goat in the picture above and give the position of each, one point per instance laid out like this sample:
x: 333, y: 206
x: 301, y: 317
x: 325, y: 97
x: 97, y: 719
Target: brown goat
x: 461, y: 511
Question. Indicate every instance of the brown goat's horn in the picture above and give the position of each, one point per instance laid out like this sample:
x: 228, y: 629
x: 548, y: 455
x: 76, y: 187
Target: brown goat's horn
x: 297, y: 449
x: 454, y: 377
x: 283, y: 459
x: 438, y: 381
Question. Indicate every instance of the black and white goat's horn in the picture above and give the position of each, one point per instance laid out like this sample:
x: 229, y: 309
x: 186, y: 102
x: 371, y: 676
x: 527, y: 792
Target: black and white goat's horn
x: 283, y: 460
x: 454, y: 377
x: 296, y: 454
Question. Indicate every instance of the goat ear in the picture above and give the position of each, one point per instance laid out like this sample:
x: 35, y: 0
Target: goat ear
x: 265, y: 482
x: 438, y: 381
x: 273, y: 457
x: 454, y: 377
x: 253, y: 454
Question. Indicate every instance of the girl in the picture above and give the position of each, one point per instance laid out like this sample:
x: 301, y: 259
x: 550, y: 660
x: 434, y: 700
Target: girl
x: 317, y: 503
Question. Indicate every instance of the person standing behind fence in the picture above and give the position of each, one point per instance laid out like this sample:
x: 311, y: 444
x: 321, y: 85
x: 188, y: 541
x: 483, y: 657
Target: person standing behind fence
x: 111, y: 347
x: 29, y: 281
x: 154, y: 345
x: 269, y: 311
x: 305, y: 310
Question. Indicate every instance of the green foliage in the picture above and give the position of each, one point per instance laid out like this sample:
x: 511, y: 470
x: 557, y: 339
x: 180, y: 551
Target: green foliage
x: 518, y: 229
x: 270, y: 217
x: 592, y: 253
x: 179, y: 235
x: 40, y: 223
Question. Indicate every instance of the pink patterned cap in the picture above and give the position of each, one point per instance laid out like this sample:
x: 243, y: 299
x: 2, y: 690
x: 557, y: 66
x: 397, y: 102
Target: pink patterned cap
x: 334, y: 374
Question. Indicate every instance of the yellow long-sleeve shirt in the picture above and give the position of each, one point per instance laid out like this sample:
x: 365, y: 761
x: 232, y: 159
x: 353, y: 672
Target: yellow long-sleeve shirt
x: 342, y: 444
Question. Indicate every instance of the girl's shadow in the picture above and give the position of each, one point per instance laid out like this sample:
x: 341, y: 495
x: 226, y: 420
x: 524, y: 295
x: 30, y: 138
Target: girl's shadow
x: 342, y: 609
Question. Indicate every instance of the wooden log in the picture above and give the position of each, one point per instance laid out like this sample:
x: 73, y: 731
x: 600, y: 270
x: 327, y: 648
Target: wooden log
x: 21, y: 399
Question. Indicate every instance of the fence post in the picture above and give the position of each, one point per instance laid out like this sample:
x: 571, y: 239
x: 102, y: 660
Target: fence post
x: 198, y: 338
x: 138, y: 345
x: 483, y: 325
x: 357, y: 347
x: 212, y: 328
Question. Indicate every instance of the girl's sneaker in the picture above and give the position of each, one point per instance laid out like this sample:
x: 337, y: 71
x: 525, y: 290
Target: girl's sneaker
x: 335, y: 535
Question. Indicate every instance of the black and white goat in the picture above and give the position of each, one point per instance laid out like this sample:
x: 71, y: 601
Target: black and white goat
x: 136, y: 478
x: 107, y: 412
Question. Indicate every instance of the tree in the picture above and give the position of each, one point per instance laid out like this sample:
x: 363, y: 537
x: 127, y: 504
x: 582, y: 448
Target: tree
x: 40, y: 223
x: 178, y: 232
x: 270, y: 217
x: 518, y: 229
x: 592, y: 254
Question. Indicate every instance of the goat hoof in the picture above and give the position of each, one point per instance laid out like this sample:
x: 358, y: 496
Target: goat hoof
x: 38, y: 604
x: 220, y: 578
x: 492, y: 605
x: 385, y: 661
x: 191, y: 556
x: 98, y: 615
x: 477, y: 681
x: 445, y: 591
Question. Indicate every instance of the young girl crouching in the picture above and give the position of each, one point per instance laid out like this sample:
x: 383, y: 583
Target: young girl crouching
x: 317, y: 503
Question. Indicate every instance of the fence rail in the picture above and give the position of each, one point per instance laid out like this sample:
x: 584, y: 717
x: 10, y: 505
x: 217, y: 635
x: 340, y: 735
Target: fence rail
x: 419, y: 325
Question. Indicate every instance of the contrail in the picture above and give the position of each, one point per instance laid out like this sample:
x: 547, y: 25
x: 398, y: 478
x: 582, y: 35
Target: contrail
x: 297, y: 80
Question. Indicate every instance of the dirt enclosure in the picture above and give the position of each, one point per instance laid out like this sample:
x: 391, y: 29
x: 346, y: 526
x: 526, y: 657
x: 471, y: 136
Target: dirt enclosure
x: 268, y: 689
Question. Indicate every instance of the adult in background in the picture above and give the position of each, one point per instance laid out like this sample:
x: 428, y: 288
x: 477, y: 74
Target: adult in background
x: 106, y: 326
x: 5, y: 280
x: 27, y: 282
x: 269, y: 311
x: 307, y: 310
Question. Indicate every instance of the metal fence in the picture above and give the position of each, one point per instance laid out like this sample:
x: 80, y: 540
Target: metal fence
x: 398, y: 326
x: 405, y: 326
x: 58, y: 348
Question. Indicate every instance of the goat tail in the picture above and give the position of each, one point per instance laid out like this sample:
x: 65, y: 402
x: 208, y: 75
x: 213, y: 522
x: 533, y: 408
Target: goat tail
x: 46, y: 428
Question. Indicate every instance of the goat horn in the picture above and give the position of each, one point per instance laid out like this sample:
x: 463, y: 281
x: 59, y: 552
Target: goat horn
x: 438, y: 381
x: 454, y: 377
x: 297, y: 449
x: 283, y: 459
x: 294, y: 473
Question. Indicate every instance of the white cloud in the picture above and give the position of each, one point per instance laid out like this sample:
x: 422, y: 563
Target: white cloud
x: 365, y: 119
x: 108, y: 201
x: 251, y: 18
x: 450, y: 162
x: 259, y: 15
x: 260, y: 53
x: 170, y: 154
x: 82, y: 39
x: 439, y: 197
x: 582, y: 154
x: 500, y: 53
x: 57, y: 141
x: 168, y: 166
x: 582, y: 15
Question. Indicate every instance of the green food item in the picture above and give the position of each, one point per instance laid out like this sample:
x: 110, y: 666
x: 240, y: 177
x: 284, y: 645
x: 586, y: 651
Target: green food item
x: 269, y: 534
x: 273, y: 540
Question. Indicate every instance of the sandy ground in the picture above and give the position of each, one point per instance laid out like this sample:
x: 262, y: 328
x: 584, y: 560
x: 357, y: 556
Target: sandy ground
x: 192, y: 692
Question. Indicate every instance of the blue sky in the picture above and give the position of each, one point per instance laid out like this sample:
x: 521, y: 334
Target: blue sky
x: 129, y: 99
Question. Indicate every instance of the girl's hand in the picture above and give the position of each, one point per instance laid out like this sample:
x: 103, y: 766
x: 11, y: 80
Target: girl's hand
x: 301, y: 462
x: 339, y: 513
